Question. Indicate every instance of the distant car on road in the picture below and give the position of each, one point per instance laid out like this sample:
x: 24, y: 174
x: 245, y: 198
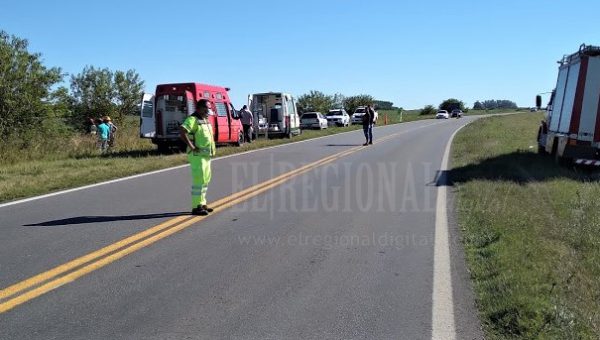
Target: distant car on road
x: 338, y: 117
x: 456, y: 113
x: 442, y: 114
x: 313, y: 120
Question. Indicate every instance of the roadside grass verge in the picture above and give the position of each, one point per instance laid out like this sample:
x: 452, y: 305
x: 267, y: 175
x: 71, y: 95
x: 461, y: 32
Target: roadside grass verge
x: 531, y: 232
x: 73, y: 161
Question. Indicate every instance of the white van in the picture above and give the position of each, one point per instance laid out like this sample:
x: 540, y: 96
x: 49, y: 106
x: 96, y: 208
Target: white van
x: 147, y: 122
x: 280, y: 112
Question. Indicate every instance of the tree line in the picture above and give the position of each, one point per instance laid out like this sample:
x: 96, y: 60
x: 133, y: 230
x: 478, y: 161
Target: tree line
x: 34, y: 103
x: 317, y: 101
x: 448, y: 105
x: 494, y: 104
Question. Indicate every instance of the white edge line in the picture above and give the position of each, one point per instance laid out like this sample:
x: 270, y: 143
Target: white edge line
x: 442, y: 313
x: 25, y: 200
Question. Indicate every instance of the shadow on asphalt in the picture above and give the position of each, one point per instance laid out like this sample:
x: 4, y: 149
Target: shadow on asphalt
x: 132, y: 153
x: 358, y: 144
x: 100, y: 219
x: 520, y: 167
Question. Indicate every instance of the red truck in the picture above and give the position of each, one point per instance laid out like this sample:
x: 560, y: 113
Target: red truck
x: 164, y: 111
x: 571, y: 130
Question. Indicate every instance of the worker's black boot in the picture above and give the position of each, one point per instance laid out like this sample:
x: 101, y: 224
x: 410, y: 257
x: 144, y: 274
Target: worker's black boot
x: 199, y: 211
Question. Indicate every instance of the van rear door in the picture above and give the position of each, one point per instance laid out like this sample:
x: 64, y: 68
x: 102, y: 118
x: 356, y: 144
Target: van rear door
x: 222, y: 120
x: 172, y: 110
x: 147, y: 121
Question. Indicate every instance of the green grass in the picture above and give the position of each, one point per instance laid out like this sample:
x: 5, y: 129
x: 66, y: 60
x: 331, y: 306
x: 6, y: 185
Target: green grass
x: 531, y: 232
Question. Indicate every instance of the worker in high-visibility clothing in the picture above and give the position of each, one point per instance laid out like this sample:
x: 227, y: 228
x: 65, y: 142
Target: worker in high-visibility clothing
x: 197, y: 133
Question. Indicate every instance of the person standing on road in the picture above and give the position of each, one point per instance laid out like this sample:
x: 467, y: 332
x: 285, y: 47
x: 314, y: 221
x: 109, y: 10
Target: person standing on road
x: 197, y: 134
x: 367, y: 122
x: 247, y: 123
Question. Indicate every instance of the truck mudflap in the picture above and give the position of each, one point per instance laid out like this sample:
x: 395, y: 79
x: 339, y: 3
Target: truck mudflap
x: 587, y: 162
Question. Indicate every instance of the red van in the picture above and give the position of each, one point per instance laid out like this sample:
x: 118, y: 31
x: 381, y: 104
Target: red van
x: 163, y: 113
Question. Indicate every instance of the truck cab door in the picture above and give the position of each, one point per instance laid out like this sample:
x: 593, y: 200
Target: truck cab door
x: 147, y: 118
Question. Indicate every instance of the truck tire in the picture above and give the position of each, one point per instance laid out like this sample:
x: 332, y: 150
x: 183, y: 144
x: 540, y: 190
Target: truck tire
x: 541, y: 150
x: 240, y: 140
x: 563, y: 161
x: 163, y: 148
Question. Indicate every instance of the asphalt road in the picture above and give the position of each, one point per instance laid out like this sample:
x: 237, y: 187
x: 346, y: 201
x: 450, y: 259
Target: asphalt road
x: 344, y: 250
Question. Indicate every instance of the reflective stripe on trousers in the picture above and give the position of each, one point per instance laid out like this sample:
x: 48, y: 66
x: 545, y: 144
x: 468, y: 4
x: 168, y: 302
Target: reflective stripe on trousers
x: 201, y: 174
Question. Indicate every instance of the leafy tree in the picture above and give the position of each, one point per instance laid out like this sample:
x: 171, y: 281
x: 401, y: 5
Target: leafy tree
x: 338, y: 101
x: 383, y: 105
x: 129, y: 89
x: 102, y: 92
x: 25, y: 85
x: 93, y: 93
x: 490, y: 104
x: 478, y: 106
x: 315, y: 101
x: 452, y: 104
x: 496, y: 104
x: 428, y: 110
x: 59, y: 111
x: 351, y: 103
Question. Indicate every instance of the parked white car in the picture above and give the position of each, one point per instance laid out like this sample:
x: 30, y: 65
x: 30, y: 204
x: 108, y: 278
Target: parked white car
x: 442, y: 114
x: 313, y: 120
x: 359, y: 113
x: 338, y: 117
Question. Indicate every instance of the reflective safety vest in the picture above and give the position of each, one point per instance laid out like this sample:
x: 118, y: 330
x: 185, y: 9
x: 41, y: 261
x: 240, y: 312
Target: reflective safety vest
x: 201, y: 134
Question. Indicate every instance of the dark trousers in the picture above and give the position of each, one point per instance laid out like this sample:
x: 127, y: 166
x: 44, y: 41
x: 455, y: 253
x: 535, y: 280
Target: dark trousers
x: 247, y: 135
x: 368, y: 130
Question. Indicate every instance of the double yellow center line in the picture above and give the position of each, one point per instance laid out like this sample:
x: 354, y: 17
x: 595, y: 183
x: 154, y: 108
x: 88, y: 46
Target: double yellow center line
x: 40, y: 284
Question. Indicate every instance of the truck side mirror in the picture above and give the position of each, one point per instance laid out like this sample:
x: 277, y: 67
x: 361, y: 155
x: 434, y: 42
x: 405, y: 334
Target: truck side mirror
x: 538, y: 101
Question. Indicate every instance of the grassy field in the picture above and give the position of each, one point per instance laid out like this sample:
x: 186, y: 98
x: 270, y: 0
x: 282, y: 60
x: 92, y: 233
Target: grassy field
x: 531, y: 232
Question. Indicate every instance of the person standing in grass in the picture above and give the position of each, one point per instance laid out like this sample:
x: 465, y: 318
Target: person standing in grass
x: 197, y: 134
x: 112, y: 130
x: 103, y: 134
x: 92, y: 128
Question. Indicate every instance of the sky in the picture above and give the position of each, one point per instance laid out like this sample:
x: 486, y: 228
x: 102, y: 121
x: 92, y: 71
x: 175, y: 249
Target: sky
x: 412, y: 53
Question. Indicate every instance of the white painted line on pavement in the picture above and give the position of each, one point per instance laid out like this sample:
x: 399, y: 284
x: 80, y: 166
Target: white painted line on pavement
x: 442, y: 314
x: 25, y: 200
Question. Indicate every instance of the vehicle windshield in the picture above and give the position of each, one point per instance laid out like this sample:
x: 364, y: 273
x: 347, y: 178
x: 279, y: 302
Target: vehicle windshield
x: 334, y: 113
x: 359, y: 111
x: 309, y: 115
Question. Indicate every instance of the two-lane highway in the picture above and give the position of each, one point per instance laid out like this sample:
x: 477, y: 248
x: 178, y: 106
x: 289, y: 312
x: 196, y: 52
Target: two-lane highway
x: 318, y: 239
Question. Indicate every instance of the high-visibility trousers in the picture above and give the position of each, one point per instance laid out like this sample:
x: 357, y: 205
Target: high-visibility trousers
x: 201, y: 174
